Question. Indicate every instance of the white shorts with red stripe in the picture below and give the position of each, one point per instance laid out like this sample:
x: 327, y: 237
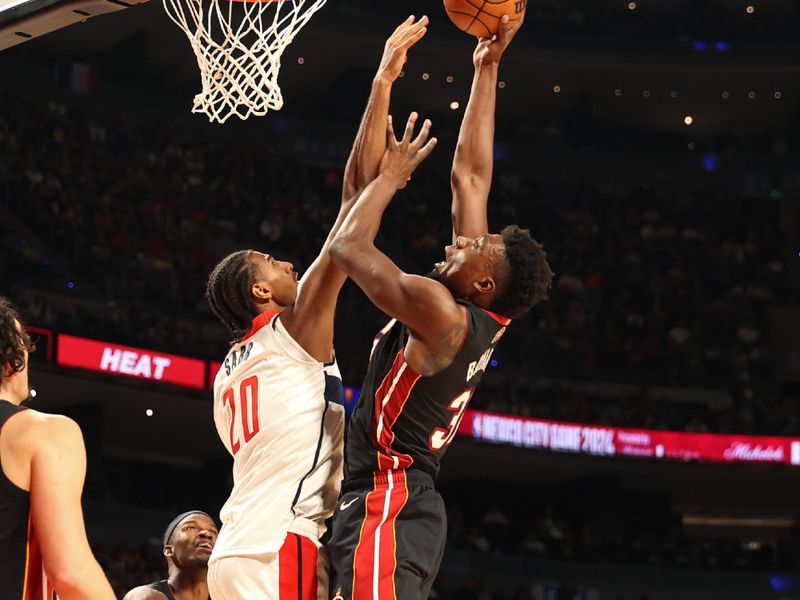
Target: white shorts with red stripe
x: 298, y: 572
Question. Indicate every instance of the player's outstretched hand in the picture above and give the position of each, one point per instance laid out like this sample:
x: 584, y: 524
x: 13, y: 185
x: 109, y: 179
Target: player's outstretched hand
x: 395, y: 52
x: 404, y: 156
x: 489, y: 50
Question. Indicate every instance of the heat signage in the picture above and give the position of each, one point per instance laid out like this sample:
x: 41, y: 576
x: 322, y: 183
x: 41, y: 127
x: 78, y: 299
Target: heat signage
x: 126, y: 361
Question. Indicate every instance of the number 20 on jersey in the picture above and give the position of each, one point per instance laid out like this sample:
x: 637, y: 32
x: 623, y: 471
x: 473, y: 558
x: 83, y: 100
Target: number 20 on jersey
x: 247, y: 400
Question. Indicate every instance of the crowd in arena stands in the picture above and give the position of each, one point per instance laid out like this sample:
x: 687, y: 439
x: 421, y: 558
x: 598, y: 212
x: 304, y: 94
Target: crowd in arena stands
x: 526, y: 529
x: 112, y: 227
x: 539, y: 529
x: 619, y: 23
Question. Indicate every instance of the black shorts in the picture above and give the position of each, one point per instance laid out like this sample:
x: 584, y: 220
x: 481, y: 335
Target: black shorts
x: 388, y: 537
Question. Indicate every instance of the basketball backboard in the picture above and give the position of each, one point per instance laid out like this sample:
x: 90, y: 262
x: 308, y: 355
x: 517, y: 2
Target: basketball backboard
x: 22, y: 20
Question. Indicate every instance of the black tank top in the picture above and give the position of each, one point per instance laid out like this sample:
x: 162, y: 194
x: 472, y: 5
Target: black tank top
x: 163, y: 587
x: 21, y: 573
x: 405, y: 421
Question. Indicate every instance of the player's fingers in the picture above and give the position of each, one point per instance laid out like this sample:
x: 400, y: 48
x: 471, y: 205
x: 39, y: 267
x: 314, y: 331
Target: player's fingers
x: 422, y: 137
x: 412, y: 38
x: 391, y: 139
x: 502, y: 33
x: 413, y: 34
x: 426, y: 150
x: 410, y: 124
x: 401, y: 28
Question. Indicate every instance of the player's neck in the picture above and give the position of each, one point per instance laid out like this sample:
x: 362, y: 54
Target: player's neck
x: 189, y: 584
x: 8, y: 395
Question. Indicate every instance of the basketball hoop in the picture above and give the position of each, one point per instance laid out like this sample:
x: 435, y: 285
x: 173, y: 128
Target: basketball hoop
x: 238, y: 45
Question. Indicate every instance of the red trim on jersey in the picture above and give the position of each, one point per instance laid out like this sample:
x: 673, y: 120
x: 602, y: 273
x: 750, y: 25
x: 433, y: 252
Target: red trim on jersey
x: 390, y: 399
x: 297, y: 568
x: 260, y: 321
x: 504, y: 321
x: 375, y: 558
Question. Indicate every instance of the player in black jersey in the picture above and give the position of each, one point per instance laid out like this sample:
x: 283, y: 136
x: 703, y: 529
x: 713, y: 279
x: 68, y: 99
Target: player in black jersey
x: 389, y: 527
x: 43, y: 546
x: 188, y: 542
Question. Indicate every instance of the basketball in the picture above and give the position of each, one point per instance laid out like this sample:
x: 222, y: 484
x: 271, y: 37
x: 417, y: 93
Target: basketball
x: 481, y: 18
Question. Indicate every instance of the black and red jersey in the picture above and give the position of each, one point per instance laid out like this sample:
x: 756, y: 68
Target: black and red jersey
x: 406, y: 421
x: 22, y: 575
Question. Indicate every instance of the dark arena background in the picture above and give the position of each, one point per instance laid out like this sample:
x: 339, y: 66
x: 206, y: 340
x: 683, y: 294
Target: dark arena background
x: 637, y: 437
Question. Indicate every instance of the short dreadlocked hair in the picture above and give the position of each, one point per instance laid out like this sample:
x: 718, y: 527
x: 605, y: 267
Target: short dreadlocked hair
x: 14, y: 340
x: 527, y: 273
x: 228, y: 292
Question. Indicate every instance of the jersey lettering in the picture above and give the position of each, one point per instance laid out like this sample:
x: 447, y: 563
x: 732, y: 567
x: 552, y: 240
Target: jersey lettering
x: 237, y: 358
x: 479, y: 366
x: 442, y: 437
x: 248, y: 411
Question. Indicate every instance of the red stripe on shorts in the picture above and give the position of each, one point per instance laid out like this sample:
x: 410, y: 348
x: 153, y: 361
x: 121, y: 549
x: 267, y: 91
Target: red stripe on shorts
x: 297, y: 568
x: 287, y: 569
x: 309, y: 557
x: 373, y: 572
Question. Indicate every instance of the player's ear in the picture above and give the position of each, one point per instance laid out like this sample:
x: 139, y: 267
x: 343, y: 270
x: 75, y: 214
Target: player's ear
x: 261, y: 293
x: 169, y: 550
x: 485, y: 285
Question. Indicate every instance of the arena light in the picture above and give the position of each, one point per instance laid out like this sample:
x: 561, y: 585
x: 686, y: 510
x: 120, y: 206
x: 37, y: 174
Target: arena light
x: 149, y: 412
x: 750, y: 9
x: 454, y: 105
x: 556, y: 89
x: 688, y: 119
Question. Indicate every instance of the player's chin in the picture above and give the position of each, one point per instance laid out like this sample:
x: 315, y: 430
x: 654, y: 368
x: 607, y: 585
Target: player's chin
x: 434, y: 274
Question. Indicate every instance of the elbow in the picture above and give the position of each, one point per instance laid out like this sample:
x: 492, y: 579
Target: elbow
x: 462, y: 178
x: 68, y: 583
x: 456, y: 178
x: 339, y: 251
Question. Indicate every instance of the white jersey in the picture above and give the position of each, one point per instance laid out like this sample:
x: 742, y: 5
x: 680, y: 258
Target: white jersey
x: 285, y: 434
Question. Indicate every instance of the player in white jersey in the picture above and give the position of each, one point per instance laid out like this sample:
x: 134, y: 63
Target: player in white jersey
x: 274, y: 397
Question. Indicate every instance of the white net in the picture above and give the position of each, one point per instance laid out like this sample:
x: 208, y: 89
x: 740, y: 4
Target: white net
x: 238, y: 46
